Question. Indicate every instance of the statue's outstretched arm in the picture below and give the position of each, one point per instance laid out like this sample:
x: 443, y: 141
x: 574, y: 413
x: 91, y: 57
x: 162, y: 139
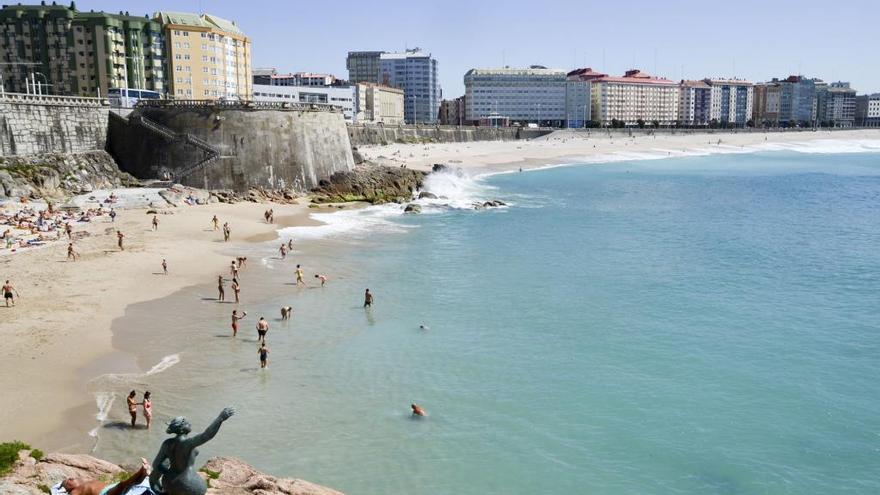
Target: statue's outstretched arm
x: 211, y: 430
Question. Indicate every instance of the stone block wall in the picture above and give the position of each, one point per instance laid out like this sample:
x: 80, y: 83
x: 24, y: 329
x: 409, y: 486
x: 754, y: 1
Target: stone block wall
x: 39, y: 124
x: 371, y: 134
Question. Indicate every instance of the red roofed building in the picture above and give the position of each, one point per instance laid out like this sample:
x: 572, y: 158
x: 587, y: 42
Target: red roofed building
x: 632, y: 97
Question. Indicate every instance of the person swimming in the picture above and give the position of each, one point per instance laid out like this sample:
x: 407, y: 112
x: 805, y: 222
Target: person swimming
x: 418, y: 411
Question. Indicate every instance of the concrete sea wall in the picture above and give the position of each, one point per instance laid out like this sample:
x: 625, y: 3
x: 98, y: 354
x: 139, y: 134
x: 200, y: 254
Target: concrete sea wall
x: 237, y: 147
x: 370, y: 134
x: 39, y: 124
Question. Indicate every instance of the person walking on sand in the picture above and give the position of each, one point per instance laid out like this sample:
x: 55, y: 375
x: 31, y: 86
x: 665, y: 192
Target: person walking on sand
x: 112, y: 215
x: 368, y: 299
x: 221, y: 293
x: 8, y: 289
x: 119, y: 237
x: 71, y: 254
x: 132, y: 407
x: 263, y: 351
x: 226, y: 232
x: 262, y: 329
x: 69, y: 231
x: 300, y: 275
x: 283, y: 251
x: 164, y: 267
x: 322, y: 278
x: 235, y: 318
x: 271, y: 215
x: 216, y: 222
x: 236, y: 288
x: 148, y: 408
x: 155, y: 222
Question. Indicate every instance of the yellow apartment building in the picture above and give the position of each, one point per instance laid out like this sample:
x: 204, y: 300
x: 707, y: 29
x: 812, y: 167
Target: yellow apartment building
x: 208, y: 58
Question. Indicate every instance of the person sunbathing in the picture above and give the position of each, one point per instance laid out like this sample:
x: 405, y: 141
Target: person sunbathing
x: 136, y: 484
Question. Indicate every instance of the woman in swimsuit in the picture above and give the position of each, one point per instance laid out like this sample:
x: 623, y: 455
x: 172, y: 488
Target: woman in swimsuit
x: 236, y: 288
x: 235, y: 319
x: 132, y: 407
x: 263, y: 351
x: 148, y: 408
x: 222, y: 296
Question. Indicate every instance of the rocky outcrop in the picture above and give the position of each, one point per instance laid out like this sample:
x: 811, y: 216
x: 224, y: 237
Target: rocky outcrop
x: 372, y: 183
x: 225, y: 476
x: 412, y: 208
x: 58, y: 175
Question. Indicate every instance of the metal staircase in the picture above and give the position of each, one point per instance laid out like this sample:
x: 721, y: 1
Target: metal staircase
x: 212, y: 154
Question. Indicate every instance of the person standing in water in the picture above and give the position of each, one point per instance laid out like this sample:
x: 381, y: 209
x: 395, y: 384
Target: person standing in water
x: 262, y: 329
x: 368, y: 299
x: 216, y: 222
x: 233, y: 269
x: 132, y: 407
x: 164, y: 267
x: 263, y: 351
x: 236, y: 289
x: 300, y: 275
x: 290, y: 244
x: 119, y: 237
x: 222, y: 293
x: 8, y: 289
x: 148, y: 408
x: 283, y: 251
x: 322, y: 278
x: 155, y: 222
x: 226, y: 232
x: 235, y: 319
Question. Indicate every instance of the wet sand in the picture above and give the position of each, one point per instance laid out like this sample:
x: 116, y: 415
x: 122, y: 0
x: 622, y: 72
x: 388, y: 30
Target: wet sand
x: 58, y: 336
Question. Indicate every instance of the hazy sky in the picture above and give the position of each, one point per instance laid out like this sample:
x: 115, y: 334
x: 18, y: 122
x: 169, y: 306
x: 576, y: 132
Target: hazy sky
x: 756, y: 40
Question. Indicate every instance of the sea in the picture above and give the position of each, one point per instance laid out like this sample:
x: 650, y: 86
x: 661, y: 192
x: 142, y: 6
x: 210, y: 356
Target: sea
x: 652, y: 324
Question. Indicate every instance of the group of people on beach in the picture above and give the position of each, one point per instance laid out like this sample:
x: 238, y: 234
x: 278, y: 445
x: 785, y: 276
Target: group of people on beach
x: 24, y: 225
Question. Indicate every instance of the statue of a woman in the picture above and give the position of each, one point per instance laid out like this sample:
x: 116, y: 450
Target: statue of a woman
x: 173, y: 467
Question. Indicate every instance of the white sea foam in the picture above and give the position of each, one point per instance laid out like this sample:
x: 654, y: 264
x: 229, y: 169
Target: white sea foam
x: 164, y: 364
x: 455, y: 190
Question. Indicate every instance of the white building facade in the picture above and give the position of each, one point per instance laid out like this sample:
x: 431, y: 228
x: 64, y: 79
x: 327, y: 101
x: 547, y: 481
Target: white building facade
x: 534, y: 95
x: 732, y: 101
x: 340, y: 96
x: 633, y: 98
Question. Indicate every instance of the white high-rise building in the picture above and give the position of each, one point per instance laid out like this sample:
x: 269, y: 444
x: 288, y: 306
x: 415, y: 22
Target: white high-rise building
x: 415, y: 72
x: 731, y: 101
x: 534, y: 95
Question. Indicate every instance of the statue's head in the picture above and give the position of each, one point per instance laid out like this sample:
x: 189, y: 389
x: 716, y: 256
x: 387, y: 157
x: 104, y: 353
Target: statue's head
x: 179, y: 426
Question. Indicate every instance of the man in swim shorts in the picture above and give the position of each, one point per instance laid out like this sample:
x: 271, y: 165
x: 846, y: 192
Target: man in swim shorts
x: 262, y: 328
x: 368, y: 299
x: 7, y: 290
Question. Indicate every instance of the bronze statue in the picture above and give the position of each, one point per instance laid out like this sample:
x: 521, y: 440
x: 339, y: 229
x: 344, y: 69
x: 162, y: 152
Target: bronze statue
x: 173, y: 467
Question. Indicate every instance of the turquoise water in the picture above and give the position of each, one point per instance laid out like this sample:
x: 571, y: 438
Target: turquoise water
x: 692, y: 325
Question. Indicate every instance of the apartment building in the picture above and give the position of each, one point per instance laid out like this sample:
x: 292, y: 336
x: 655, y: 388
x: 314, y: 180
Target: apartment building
x: 340, y: 96
x: 378, y: 104
x: 765, y: 106
x: 415, y: 72
x: 363, y: 66
x: 632, y: 98
x: 208, y: 57
x: 527, y: 95
x: 868, y: 110
x: 694, y: 103
x: 453, y: 112
x: 797, y: 100
x: 731, y: 101
x: 56, y: 49
x: 835, y: 105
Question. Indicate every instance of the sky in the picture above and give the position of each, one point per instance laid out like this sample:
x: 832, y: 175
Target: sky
x: 750, y: 39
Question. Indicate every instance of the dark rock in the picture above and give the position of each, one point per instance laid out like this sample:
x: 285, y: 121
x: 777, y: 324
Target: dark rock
x: 412, y: 208
x: 439, y: 167
x: 427, y: 195
x: 371, y: 183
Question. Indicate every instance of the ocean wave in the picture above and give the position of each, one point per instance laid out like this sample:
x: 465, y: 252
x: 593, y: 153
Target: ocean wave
x: 455, y: 190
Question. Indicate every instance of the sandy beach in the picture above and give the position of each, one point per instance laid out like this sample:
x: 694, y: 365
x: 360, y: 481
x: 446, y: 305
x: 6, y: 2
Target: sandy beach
x: 581, y: 146
x: 62, y: 320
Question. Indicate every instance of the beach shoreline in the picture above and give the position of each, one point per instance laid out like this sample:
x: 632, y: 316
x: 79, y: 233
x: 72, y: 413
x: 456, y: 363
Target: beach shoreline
x: 60, y: 347
x: 59, y: 336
